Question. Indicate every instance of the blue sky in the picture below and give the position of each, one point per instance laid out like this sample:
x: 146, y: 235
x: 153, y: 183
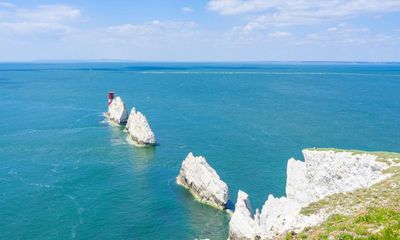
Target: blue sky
x: 201, y: 30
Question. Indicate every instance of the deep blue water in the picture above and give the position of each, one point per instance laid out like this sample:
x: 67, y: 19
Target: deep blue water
x: 64, y: 174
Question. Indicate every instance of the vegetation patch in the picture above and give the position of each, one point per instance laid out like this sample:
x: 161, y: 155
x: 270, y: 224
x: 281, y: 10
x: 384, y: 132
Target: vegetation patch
x: 373, y: 223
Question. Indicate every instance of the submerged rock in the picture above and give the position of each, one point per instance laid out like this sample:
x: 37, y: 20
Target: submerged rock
x: 139, y: 129
x: 117, y: 112
x: 323, y: 173
x: 203, y: 181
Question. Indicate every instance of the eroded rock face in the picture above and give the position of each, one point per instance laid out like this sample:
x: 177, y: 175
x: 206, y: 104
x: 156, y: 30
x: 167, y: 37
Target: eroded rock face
x: 324, y: 172
x: 139, y: 129
x: 203, y: 181
x: 329, y: 172
x: 243, y: 225
x: 296, y: 181
x: 117, y: 111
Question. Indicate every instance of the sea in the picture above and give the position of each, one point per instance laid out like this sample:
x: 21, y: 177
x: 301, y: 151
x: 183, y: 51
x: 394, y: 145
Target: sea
x: 65, y: 173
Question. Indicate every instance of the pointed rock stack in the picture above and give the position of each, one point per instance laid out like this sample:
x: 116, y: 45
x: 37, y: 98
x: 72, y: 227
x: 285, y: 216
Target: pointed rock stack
x: 117, y: 111
x: 136, y: 124
x: 244, y: 224
x: 139, y: 129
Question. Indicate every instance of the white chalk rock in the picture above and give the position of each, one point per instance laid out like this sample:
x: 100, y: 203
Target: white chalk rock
x: 243, y: 225
x: 296, y: 182
x: 323, y: 173
x: 203, y: 181
x: 139, y: 129
x: 117, y: 111
x: 277, y: 216
x: 329, y: 172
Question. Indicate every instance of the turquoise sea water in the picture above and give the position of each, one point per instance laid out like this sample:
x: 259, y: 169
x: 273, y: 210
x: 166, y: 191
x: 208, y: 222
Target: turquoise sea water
x: 65, y: 174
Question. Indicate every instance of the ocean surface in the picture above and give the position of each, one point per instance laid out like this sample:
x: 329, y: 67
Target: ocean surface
x: 66, y: 174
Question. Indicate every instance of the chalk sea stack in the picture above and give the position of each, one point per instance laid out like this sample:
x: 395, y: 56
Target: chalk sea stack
x: 116, y: 110
x: 203, y: 182
x: 139, y: 129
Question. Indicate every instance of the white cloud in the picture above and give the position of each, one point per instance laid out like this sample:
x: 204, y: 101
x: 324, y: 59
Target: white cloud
x: 343, y: 34
x: 152, y: 27
x: 229, y: 7
x: 7, y: 5
x: 34, y: 27
x: 299, y: 12
x: 382, y: 38
x: 306, y: 7
x: 42, y: 19
x: 246, y: 29
x: 187, y: 10
x: 153, y: 40
x: 279, y: 34
x: 53, y: 13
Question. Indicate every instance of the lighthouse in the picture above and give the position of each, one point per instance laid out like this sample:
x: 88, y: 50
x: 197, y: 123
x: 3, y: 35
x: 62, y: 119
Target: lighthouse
x: 110, y: 97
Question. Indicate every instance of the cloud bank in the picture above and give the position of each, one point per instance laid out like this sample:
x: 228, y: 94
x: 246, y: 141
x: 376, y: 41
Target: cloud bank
x: 260, y: 30
x: 299, y: 12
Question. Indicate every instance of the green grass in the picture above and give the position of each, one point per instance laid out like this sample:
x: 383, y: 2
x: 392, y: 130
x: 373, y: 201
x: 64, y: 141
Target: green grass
x: 374, y: 223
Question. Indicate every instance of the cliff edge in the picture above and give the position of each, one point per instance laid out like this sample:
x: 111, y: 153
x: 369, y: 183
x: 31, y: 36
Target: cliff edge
x: 326, y: 184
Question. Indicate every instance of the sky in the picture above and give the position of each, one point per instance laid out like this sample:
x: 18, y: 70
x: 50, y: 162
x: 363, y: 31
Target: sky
x: 200, y: 30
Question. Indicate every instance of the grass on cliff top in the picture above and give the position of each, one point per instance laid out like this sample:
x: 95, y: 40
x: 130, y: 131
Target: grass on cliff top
x: 372, y: 213
x: 371, y: 224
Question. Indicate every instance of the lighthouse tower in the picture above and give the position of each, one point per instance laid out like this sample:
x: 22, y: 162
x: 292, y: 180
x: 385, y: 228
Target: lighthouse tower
x: 110, y: 97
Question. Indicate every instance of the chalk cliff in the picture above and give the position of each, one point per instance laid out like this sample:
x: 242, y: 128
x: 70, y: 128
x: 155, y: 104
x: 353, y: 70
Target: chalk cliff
x: 139, y: 129
x: 117, y: 112
x: 203, y: 181
x: 324, y: 172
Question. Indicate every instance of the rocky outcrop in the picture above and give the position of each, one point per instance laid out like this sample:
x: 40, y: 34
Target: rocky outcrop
x: 203, y: 182
x: 117, y: 112
x: 139, y: 129
x: 327, y: 172
x: 243, y: 224
x: 323, y: 173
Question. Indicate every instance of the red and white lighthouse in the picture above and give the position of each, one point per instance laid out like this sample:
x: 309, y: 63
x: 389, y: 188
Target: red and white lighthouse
x: 110, y: 97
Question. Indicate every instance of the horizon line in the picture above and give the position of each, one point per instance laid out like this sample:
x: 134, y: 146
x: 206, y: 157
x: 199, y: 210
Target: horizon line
x: 54, y: 61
